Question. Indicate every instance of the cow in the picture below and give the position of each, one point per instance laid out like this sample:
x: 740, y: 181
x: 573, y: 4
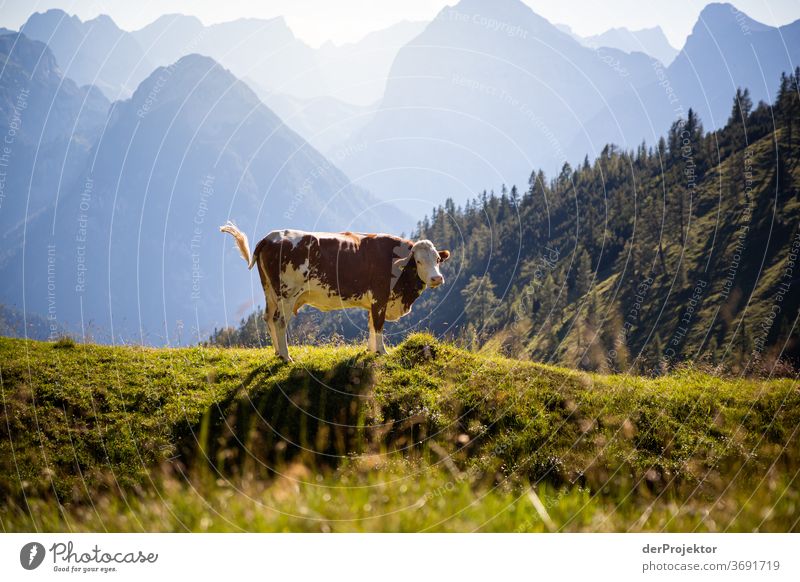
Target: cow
x: 381, y: 273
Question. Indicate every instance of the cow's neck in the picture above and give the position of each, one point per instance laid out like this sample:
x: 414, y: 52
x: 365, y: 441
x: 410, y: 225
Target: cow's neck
x: 409, y: 286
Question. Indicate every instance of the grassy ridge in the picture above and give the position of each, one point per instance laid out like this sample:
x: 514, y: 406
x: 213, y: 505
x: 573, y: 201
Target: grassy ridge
x: 429, y: 437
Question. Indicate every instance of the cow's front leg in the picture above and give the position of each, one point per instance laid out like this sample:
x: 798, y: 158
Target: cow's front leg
x: 377, y: 317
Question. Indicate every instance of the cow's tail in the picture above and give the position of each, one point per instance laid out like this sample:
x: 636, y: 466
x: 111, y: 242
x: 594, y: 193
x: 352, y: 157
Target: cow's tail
x: 241, y: 242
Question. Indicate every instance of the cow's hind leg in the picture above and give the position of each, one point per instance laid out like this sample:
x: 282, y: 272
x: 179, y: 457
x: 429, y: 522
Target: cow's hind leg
x: 271, y: 311
x: 280, y: 320
x: 269, y: 317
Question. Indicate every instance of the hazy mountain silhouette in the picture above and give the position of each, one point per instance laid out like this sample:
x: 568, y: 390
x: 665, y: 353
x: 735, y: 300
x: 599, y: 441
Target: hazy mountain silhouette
x: 137, y: 249
x: 485, y: 94
x: 47, y: 124
x: 317, y: 86
x: 725, y: 51
x: 95, y: 52
x: 356, y: 72
x: 172, y: 36
x: 651, y: 41
x: 267, y: 52
x: 325, y: 122
x: 264, y: 50
x: 325, y: 94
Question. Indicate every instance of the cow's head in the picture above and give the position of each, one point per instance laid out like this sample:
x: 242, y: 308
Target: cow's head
x: 427, y: 259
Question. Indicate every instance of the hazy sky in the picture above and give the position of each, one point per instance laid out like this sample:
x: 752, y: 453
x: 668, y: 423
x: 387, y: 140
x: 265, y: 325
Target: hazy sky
x: 316, y: 21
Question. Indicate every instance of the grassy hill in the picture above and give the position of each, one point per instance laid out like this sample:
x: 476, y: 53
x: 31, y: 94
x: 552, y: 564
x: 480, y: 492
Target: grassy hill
x: 430, y: 437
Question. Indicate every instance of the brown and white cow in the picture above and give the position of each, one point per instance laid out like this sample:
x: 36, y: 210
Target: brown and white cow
x: 381, y: 273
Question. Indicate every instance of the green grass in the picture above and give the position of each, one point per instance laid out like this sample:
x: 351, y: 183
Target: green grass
x: 429, y: 438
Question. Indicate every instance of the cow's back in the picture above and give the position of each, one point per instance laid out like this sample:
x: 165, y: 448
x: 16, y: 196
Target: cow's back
x: 348, y: 266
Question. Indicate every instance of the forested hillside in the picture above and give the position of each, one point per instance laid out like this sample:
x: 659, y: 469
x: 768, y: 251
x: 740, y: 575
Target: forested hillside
x: 641, y: 259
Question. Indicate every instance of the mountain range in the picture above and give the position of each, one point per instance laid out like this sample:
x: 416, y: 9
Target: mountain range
x: 265, y: 51
x: 96, y: 52
x: 128, y: 249
x: 121, y: 140
x: 48, y: 125
x: 726, y: 50
x: 325, y: 94
x: 476, y: 101
x: 651, y: 41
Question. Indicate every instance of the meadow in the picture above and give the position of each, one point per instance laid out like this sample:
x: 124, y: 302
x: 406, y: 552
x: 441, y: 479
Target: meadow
x: 428, y: 438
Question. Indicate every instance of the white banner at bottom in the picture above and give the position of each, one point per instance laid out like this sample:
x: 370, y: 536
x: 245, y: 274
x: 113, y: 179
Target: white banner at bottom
x: 396, y: 557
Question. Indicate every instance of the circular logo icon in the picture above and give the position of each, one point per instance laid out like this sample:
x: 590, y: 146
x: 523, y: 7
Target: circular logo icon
x: 31, y: 555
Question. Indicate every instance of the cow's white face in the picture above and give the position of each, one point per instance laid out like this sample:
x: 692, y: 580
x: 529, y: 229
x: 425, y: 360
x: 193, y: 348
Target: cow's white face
x: 428, y: 260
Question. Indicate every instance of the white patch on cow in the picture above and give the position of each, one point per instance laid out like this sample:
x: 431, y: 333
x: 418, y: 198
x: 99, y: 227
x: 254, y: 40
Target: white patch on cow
x: 287, y: 234
x: 296, y: 237
x: 301, y: 289
x: 395, y: 309
x: 375, y: 341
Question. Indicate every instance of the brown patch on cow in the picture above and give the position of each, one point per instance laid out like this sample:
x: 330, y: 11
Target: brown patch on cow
x: 408, y: 287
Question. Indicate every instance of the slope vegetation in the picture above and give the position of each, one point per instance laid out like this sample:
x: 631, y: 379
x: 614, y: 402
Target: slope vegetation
x: 130, y: 439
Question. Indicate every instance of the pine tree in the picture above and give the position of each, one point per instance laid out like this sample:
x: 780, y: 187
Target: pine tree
x: 480, y: 301
x: 583, y: 274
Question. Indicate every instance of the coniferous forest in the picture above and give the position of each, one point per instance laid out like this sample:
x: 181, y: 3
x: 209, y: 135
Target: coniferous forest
x: 640, y: 260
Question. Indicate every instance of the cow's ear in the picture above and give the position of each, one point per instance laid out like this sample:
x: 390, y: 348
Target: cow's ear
x: 443, y: 256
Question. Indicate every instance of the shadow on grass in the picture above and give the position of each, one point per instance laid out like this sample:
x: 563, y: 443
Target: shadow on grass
x: 314, y: 413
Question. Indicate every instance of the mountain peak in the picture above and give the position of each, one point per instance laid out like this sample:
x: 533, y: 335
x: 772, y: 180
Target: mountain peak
x: 103, y: 24
x: 30, y: 55
x: 511, y: 19
x: 186, y: 72
x: 196, y: 78
x: 651, y: 41
x: 718, y: 16
x: 494, y: 9
x: 276, y: 20
x: 54, y: 13
x: 492, y: 5
x: 196, y: 60
x: 50, y: 18
x: 188, y: 18
x: 717, y: 8
x: 104, y: 20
